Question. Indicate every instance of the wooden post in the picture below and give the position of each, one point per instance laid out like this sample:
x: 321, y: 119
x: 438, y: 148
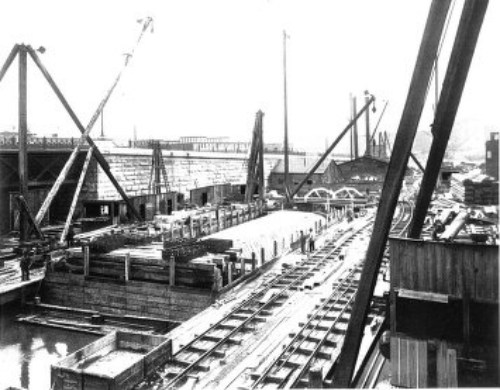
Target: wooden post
x: 230, y: 271
x: 217, y: 280
x: 23, y: 140
x: 262, y: 256
x: 86, y: 260
x: 456, y: 75
x: 316, y: 377
x: 127, y: 267
x: 76, y: 195
x: 254, y: 262
x: 217, y: 218
x: 171, y: 273
x: 191, y: 227
x: 8, y: 62
x: 98, y: 155
x: 242, y: 265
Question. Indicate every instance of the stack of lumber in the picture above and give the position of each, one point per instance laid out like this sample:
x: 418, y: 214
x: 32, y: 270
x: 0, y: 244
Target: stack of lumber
x: 482, y: 190
x: 109, y: 242
x: 184, y: 250
x: 146, y: 265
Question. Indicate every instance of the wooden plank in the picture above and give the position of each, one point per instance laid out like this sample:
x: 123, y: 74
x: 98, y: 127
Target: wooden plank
x: 423, y: 296
x: 404, y: 374
x: 406, y: 256
x: 395, y: 362
x: 442, y: 366
x: 412, y: 363
x: 440, y: 270
x: 422, y: 253
x: 395, y: 264
x: 450, y: 278
x: 451, y: 360
x: 433, y: 267
x: 422, y: 364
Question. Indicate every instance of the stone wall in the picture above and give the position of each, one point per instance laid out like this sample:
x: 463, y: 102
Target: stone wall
x: 185, y: 171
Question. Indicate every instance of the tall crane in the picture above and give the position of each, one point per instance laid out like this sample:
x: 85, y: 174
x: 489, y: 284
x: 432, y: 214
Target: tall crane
x: 255, y: 171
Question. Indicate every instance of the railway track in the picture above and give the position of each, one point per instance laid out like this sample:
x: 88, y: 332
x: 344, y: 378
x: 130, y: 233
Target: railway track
x: 220, y: 339
x: 216, y: 342
x: 318, y: 341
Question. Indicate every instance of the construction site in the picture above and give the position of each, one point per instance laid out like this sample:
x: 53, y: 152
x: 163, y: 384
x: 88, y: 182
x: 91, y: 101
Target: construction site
x: 206, y: 263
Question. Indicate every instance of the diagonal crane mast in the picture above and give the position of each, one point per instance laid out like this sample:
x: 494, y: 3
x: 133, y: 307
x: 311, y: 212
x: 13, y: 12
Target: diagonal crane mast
x: 255, y: 170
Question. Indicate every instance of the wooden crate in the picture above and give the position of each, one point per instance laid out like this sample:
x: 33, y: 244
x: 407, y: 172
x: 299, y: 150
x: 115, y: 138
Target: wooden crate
x: 93, y: 367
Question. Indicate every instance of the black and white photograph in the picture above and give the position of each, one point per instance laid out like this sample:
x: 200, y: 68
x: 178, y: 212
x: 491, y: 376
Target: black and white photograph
x: 249, y: 194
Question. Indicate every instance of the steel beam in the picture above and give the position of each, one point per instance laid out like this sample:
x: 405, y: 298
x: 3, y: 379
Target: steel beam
x: 23, y: 140
x: 392, y: 186
x: 97, y: 153
x: 332, y: 146
x: 453, y: 85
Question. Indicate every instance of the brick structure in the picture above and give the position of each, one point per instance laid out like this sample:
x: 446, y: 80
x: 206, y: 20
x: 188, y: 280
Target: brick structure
x: 492, y: 156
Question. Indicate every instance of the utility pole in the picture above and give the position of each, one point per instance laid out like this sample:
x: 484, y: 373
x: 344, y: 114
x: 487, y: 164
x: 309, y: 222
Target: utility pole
x: 355, y: 127
x: 285, y: 144
x: 23, y: 139
x: 367, y: 136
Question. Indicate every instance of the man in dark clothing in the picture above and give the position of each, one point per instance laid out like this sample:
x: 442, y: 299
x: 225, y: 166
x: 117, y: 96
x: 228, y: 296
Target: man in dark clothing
x: 311, y: 240
x: 302, y: 242
x: 70, y: 236
x: 25, y: 265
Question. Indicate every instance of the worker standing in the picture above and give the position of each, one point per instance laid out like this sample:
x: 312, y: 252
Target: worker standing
x: 302, y: 242
x: 25, y: 265
x: 70, y: 236
x: 311, y: 240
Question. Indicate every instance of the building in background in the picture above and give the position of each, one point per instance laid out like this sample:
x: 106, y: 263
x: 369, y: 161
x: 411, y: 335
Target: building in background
x: 492, y: 156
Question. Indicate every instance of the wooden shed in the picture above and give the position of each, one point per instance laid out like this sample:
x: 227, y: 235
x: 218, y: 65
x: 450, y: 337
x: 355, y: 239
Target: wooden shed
x: 443, y: 314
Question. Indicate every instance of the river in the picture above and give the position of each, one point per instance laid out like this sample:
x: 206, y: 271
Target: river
x: 27, y: 351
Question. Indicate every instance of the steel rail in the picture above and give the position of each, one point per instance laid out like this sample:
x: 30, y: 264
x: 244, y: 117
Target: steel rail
x: 252, y: 299
x: 275, y: 364
x: 280, y: 361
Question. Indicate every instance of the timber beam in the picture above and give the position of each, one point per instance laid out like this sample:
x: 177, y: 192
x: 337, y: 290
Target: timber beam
x: 369, y: 101
x: 392, y: 186
x: 449, y: 100
x: 97, y: 153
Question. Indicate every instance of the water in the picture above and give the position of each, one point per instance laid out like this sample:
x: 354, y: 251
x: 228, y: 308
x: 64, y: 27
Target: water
x: 27, y: 351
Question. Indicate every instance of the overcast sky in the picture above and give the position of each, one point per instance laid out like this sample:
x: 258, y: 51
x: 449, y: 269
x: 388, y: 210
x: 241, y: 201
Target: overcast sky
x: 210, y: 65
